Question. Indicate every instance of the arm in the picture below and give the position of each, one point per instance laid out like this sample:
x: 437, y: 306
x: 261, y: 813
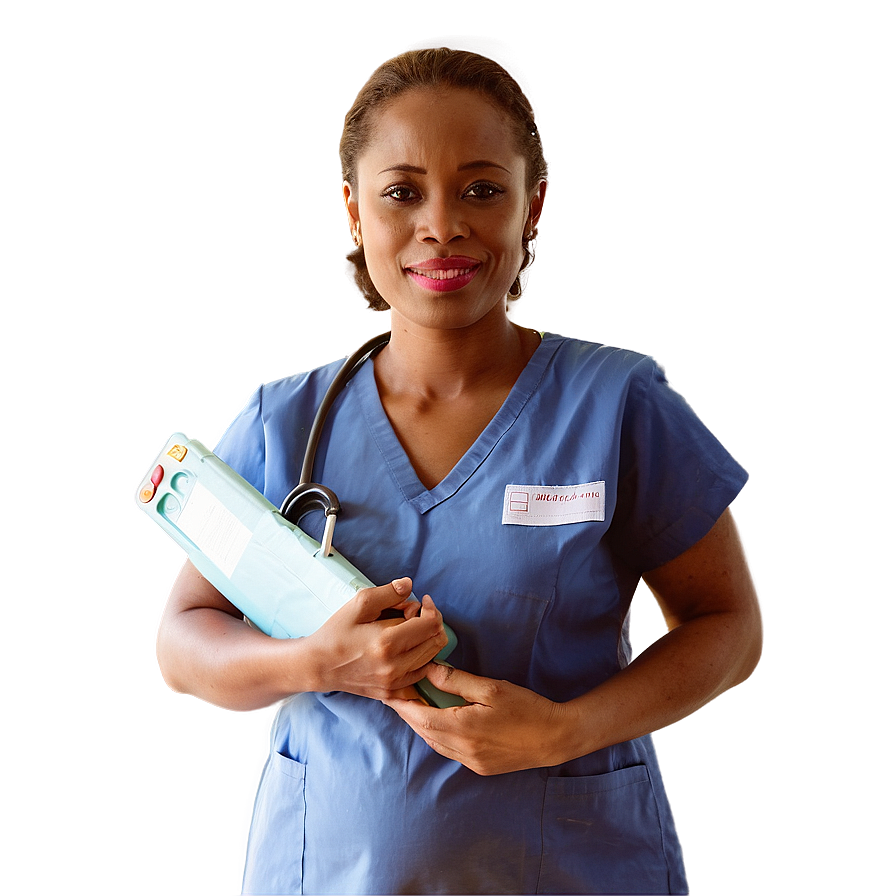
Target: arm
x: 714, y: 642
x: 204, y: 648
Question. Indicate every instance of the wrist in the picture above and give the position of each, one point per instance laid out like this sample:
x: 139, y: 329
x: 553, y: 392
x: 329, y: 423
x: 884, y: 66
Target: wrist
x: 301, y: 666
x: 564, y: 728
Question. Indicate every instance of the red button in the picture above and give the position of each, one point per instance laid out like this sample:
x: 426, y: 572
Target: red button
x: 158, y: 474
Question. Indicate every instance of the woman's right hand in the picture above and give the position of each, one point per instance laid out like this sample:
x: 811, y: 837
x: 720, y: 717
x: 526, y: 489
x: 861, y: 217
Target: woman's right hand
x: 359, y: 651
x: 204, y: 648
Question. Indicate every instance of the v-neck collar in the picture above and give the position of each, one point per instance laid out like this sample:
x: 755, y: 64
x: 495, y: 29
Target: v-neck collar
x: 395, y: 457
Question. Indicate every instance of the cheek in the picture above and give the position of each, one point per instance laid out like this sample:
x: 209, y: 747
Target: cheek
x: 382, y: 237
x: 511, y: 227
x: 383, y: 240
x: 388, y: 230
x: 512, y: 239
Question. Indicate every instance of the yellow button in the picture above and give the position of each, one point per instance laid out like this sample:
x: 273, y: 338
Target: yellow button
x: 178, y: 452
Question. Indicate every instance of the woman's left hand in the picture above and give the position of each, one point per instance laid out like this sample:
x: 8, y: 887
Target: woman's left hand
x: 503, y: 727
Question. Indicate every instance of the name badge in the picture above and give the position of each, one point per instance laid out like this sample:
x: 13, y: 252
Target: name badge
x: 553, y: 505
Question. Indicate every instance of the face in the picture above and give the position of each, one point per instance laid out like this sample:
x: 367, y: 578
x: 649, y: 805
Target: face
x: 443, y: 204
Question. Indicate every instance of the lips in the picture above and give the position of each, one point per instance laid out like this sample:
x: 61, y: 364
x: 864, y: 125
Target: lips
x: 443, y: 274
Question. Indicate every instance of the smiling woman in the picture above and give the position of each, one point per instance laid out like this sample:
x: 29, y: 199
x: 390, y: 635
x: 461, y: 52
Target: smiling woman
x: 461, y: 446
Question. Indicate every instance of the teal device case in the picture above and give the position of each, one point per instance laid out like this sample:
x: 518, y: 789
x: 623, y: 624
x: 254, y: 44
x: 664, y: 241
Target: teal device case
x: 269, y: 569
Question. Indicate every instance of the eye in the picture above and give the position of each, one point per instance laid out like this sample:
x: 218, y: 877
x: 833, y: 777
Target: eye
x: 483, y: 190
x: 399, y: 193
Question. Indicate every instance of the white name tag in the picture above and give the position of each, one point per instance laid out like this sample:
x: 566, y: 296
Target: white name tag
x: 553, y: 505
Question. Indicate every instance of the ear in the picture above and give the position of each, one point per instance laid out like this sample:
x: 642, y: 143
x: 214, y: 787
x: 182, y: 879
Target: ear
x: 351, y: 204
x: 535, y: 205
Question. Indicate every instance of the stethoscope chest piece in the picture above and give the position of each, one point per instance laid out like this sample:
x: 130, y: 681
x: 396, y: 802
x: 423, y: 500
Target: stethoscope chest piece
x: 309, y: 496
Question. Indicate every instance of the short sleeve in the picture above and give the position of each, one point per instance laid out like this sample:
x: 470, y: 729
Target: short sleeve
x: 675, y: 477
x: 242, y: 446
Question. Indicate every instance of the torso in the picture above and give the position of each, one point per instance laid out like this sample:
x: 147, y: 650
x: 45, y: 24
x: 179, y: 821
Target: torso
x: 542, y: 607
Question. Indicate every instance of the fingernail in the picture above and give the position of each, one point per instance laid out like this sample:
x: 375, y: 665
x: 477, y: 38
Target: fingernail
x: 402, y: 586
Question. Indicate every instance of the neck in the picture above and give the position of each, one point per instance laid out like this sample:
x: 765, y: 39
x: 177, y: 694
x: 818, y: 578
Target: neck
x: 444, y: 364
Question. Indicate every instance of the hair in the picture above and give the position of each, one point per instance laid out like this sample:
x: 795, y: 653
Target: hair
x: 439, y: 68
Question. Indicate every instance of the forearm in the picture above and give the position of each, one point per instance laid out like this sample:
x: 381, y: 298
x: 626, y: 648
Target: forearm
x: 218, y: 658
x: 708, y: 599
x: 204, y: 648
x: 675, y: 676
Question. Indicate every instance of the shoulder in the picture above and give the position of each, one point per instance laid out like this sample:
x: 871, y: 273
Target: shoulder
x: 579, y: 354
x: 275, y: 419
x: 289, y: 394
x: 600, y: 371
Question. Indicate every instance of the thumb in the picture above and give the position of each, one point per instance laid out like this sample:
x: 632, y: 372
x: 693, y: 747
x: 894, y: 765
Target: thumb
x: 473, y: 688
x: 370, y: 602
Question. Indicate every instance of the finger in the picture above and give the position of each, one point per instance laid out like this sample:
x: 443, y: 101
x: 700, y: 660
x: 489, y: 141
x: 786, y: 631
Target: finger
x: 435, y: 726
x: 410, y: 666
x: 473, y: 688
x: 416, y: 712
x: 429, y: 613
x: 417, y: 640
x: 428, y: 608
x: 407, y: 609
x: 406, y: 695
x: 410, y: 608
x: 369, y: 603
x: 422, y: 617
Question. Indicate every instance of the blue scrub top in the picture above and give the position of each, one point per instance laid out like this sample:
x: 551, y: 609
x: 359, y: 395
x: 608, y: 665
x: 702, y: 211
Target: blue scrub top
x: 351, y: 800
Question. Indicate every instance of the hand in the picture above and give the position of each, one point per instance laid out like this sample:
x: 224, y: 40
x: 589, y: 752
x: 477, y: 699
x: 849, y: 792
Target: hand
x: 360, y: 652
x: 503, y: 727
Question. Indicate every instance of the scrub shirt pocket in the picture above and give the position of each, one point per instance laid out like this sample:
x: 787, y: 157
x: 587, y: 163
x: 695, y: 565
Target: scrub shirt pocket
x: 602, y: 834
x: 277, y: 836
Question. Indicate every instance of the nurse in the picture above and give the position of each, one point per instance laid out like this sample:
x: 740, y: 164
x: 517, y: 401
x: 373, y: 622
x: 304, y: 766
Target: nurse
x: 523, y: 483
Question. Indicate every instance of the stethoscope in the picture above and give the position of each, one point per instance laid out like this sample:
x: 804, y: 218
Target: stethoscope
x: 308, y: 495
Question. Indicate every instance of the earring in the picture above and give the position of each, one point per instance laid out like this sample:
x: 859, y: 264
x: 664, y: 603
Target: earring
x: 516, y: 288
x: 356, y: 234
x: 527, y: 248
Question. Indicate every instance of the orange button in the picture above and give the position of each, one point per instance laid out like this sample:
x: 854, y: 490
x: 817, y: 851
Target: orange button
x: 147, y: 492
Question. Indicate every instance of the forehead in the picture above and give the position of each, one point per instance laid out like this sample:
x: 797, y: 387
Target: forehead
x: 427, y: 128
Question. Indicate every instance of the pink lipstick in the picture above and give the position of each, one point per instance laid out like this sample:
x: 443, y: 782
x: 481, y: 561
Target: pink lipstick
x: 444, y: 274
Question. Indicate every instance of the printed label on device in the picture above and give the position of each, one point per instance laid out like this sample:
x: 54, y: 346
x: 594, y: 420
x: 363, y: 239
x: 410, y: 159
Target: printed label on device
x: 216, y: 531
x: 553, y: 505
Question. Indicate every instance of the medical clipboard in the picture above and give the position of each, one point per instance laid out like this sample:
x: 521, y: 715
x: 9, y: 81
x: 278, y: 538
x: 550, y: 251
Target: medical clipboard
x: 268, y: 568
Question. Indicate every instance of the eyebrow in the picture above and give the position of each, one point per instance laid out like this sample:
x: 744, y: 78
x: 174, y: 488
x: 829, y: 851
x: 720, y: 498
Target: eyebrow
x: 413, y: 169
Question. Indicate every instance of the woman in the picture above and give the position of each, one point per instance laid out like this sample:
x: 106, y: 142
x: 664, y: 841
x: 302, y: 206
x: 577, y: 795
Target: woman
x: 527, y: 482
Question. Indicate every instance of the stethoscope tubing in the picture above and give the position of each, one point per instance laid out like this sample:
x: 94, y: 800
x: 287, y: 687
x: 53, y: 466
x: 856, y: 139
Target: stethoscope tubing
x: 308, y: 495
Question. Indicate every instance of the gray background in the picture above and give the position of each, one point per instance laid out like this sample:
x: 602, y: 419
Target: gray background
x: 172, y: 233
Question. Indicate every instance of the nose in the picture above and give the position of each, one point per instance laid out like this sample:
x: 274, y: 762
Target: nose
x: 441, y: 221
